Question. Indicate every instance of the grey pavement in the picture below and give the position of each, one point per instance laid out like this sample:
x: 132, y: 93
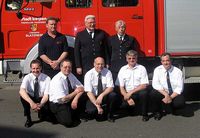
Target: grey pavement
x: 170, y: 126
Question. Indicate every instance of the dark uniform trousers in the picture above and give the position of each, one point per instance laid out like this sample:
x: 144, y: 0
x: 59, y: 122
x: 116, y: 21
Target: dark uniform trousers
x: 65, y: 115
x: 62, y: 113
x: 140, y: 98
x: 157, y: 104
x: 43, y: 114
x: 108, y: 105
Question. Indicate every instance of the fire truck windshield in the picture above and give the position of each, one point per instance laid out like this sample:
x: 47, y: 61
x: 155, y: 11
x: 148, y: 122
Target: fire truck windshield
x: 13, y: 5
x: 78, y: 3
x: 119, y: 3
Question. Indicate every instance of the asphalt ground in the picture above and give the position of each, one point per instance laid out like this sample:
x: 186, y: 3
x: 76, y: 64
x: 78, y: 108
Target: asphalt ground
x: 186, y: 125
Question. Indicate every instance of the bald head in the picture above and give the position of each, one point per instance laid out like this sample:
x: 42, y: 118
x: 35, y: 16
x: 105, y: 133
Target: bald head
x: 99, y: 64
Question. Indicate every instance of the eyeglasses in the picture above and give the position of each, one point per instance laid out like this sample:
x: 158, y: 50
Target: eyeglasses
x: 91, y: 22
x: 131, y: 58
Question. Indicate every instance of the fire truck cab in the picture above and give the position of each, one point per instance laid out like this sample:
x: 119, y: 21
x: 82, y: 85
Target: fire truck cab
x: 157, y: 25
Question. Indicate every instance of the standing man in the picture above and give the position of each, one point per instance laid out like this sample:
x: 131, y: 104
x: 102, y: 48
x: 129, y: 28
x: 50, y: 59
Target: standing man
x: 133, y: 81
x: 53, y: 48
x: 118, y: 46
x: 168, y: 85
x: 98, y: 84
x: 89, y: 44
x: 34, y: 93
x: 64, y: 95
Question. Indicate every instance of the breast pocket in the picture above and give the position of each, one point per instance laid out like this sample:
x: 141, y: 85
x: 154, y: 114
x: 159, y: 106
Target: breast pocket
x: 104, y: 82
x: 127, y: 76
x: 127, y: 79
x: 137, y: 77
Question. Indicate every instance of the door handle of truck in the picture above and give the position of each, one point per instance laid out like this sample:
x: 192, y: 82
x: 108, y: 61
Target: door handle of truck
x: 137, y: 17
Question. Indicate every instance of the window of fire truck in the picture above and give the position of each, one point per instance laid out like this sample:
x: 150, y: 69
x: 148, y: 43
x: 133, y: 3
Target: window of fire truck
x: 13, y: 5
x: 78, y: 3
x: 40, y: 0
x: 119, y: 3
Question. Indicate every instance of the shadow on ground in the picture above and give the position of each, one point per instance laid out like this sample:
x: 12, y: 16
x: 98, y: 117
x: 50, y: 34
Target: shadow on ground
x: 8, y: 132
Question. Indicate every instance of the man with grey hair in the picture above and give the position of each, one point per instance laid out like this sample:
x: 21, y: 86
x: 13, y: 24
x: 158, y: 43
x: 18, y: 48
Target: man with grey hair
x: 89, y: 44
x: 133, y: 81
x: 118, y: 45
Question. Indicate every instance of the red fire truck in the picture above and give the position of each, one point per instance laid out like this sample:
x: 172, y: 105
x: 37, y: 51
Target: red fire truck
x: 158, y: 26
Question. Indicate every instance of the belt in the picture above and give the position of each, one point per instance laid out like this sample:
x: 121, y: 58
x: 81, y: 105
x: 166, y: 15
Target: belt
x: 58, y: 103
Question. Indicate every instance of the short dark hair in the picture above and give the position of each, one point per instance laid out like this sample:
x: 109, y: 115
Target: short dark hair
x: 52, y: 18
x: 36, y: 61
x: 65, y: 60
x: 165, y: 54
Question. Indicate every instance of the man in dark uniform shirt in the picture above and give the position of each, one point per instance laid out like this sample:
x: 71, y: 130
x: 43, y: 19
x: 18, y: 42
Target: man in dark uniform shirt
x: 89, y: 44
x: 53, y: 48
x: 118, y: 45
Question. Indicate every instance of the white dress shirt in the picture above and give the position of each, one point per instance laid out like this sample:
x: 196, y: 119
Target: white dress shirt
x: 121, y: 37
x: 130, y: 78
x: 59, y: 86
x: 29, y: 80
x: 91, y: 32
x: 159, y: 81
x: 91, y: 80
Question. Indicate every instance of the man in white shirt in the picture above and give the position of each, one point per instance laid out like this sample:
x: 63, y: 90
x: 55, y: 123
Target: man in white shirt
x: 98, y: 83
x: 34, y: 92
x: 133, y: 80
x: 64, y: 94
x: 168, y: 85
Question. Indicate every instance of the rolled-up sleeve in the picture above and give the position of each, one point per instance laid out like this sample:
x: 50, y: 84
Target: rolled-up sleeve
x: 180, y: 85
x: 87, y: 83
x: 155, y: 82
x: 47, y: 83
x: 120, y: 79
x: 144, y: 76
x: 109, y: 80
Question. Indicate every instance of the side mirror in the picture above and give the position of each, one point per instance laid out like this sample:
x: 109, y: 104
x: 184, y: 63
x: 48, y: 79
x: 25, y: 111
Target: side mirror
x: 19, y: 15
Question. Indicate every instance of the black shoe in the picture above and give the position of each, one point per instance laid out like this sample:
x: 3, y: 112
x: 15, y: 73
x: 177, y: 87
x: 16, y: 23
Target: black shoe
x: 157, y: 116
x: 145, y: 118
x: 28, y: 123
x: 83, y: 119
x: 111, y: 119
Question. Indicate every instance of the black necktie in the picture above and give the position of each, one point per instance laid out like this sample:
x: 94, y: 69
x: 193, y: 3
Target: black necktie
x: 90, y: 33
x: 36, y: 90
x: 169, y: 84
x: 100, y: 86
x: 120, y: 39
x: 69, y: 85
